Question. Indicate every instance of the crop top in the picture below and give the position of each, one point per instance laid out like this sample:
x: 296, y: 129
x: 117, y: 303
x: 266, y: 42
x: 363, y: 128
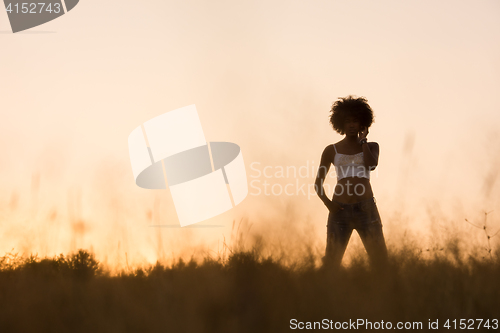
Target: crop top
x: 350, y: 165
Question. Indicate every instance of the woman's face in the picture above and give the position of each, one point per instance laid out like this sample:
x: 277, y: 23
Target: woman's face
x: 352, y: 126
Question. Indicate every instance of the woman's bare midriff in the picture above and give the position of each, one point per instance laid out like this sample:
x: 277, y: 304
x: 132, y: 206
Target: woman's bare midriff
x: 352, y: 190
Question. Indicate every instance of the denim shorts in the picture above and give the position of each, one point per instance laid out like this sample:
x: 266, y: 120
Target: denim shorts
x: 361, y: 216
x: 356, y: 215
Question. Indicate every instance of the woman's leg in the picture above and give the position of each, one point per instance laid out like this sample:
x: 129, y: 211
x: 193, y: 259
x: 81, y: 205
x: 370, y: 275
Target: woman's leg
x: 370, y: 232
x: 337, y: 236
x: 336, y: 244
x: 374, y: 242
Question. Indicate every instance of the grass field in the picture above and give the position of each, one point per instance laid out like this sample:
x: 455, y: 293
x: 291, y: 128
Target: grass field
x: 246, y: 292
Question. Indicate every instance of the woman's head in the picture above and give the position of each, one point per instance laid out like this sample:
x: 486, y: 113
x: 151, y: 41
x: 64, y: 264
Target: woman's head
x: 350, y: 108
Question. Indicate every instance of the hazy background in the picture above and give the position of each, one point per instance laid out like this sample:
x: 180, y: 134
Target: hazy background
x: 263, y: 74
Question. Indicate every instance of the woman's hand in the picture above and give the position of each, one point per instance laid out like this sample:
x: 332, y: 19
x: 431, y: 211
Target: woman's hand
x: 363, y: 133
x: 333, y: 206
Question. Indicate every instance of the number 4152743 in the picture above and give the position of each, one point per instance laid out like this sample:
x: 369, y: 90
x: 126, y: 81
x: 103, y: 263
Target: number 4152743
x: 471, y: 324
x: 34, y: 8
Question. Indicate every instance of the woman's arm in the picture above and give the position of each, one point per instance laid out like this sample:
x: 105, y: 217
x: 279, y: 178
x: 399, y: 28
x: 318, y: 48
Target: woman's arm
x: 370, y: 150
x: 370, y: 154
x: 326, y: 160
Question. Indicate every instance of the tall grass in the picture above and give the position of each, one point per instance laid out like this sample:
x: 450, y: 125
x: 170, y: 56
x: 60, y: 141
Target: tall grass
x: 245, y: 291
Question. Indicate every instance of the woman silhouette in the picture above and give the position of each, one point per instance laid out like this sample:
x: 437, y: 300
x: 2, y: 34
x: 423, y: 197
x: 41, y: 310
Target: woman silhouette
x: 353, y: 205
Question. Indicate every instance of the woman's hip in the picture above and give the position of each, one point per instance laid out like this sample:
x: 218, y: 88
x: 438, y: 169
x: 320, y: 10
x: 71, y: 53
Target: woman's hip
x: 359, y: 214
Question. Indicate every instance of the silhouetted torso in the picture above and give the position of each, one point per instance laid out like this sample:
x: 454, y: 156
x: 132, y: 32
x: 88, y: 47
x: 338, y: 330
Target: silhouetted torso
x: 347, y: 189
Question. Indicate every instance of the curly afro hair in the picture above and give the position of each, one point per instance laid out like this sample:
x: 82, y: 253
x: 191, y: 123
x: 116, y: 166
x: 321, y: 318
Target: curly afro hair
x: 350, y: 106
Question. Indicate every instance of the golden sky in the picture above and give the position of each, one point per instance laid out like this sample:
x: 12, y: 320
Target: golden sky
x: 263, y: 74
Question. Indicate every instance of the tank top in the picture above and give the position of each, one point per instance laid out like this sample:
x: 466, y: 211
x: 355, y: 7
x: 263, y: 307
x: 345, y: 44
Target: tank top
x: 350, y: 165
